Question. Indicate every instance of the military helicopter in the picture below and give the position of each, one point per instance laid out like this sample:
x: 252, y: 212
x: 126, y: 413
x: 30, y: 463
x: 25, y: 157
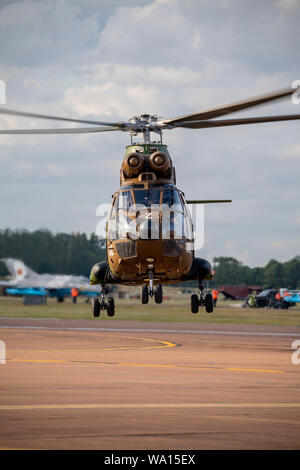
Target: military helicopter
x: 149, y: 234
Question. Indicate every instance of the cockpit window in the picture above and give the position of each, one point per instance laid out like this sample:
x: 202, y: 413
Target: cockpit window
x: 124, y: 201
x: 171, y: 197
x: 162, y: 207
x: 147, y: 197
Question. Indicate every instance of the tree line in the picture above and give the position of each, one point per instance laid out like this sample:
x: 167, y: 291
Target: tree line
x: 76, y: 253
x: 274, y: 275
x: 45, y: 252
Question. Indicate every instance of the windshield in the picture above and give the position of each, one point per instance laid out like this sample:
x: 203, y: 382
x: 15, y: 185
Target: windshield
x: 152, y: 196
x: 264, y: 292
x: 160, y: 210
x: 171, y: 197
x: 147, y: 197
x: 124, y: 200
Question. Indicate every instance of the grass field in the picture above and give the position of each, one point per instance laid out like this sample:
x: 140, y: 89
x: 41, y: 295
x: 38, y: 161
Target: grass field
x: 177, y: 309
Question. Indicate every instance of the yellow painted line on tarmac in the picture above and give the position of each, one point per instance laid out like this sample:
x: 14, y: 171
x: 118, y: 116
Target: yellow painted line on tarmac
x: 137, y: 364
x: 133, y: 364
x: 90, y: 362
x: 255, y: 370
x: 163, y: 344
x: 41, y: 360
x: 93, y: 406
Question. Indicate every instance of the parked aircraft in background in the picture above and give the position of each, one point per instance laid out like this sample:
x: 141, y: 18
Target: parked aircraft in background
x: 25, y: 281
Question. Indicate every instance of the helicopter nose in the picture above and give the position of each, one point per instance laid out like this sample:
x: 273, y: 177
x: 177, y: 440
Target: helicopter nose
x: 148, y: 230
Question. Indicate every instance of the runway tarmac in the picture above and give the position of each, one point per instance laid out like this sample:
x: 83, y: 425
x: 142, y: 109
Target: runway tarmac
x: 76, y: 384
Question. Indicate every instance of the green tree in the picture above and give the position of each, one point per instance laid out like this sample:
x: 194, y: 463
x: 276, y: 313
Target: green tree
x: 43, y: 251
x: 291, y: 273
x: 273, y: 274
x: 228, y: 270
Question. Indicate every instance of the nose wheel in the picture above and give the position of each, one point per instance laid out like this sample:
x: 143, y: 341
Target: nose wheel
x: 100, y: 303
x: 148, y: 290
x: 203, y: 300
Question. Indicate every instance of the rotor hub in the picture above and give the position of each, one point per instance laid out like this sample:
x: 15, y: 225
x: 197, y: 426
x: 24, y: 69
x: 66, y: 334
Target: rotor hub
x: 146, y: 123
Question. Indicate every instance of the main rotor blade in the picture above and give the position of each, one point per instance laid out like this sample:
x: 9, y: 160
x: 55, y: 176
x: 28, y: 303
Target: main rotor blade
x: 236, y: 122
x: 70, y: 130
x: 231, y: 108
x: 11, y: 112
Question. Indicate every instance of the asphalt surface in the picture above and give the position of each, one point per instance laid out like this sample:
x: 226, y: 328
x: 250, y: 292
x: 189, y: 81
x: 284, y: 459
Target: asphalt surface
x: 75, y: 384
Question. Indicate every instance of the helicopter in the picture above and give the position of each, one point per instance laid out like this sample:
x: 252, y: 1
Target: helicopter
x: 149, y: 232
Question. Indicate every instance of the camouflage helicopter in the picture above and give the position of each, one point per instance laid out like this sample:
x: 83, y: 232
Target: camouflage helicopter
x: 149, y: 232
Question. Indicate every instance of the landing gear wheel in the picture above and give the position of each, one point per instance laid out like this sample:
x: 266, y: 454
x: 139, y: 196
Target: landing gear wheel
x: 96, y: 307
x: 158, y: 294
x: 110, y: 307
x: 209, y: 305
x: 145, y: 295
x: 194, y: 303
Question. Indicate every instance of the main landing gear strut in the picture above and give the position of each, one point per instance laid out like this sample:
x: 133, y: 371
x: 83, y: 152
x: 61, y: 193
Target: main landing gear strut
x: 202, y: 301
x: 99, y: 303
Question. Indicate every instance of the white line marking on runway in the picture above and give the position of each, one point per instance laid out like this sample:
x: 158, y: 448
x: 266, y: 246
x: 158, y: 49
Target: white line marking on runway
x: 143, y: 330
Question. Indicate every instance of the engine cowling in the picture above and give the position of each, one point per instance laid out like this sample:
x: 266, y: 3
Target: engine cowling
x: 133, y: 164
x: 160, y: 163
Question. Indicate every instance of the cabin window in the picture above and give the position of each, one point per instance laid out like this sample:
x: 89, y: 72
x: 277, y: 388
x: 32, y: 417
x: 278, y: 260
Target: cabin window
x: 173, y: 248
x: 126, y: 249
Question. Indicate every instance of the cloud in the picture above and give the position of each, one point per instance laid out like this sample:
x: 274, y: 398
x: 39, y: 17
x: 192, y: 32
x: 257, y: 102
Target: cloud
x: 292, y: 151
x: 50, y: 31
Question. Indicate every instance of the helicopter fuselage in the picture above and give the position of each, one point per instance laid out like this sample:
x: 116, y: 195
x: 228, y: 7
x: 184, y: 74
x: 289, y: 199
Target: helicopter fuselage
x: 149, y: 230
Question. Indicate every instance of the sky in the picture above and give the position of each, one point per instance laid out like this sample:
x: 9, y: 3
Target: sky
x: 113, y: 59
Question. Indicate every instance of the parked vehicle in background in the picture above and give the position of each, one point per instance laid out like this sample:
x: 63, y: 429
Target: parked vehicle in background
x: 275, y: 298
x: 266, y: 298
x: 291, y: 297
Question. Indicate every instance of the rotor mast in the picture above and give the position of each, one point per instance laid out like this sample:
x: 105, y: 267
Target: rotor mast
x: 145, y: 124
